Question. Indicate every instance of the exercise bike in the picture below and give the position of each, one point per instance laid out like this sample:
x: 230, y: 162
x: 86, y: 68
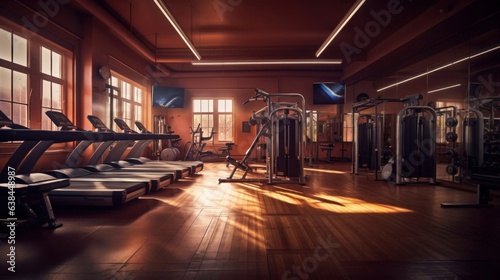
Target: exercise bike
x: 194, y: 148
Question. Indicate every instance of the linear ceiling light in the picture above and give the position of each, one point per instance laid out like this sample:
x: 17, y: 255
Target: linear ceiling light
x: 444, y: 88
x: 270, y: 62
x: 177, y: 28
x: 341, y: 25
x: 439, y: 68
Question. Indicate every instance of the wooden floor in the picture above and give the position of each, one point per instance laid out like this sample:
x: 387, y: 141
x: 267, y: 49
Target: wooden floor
x: 338, y: 226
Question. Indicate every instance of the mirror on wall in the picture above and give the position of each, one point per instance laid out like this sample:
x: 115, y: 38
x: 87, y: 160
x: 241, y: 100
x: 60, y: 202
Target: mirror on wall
x: 462, y: 83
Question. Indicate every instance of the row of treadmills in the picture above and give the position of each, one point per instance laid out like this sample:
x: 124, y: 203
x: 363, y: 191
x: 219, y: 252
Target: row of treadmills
x: 109, y: 178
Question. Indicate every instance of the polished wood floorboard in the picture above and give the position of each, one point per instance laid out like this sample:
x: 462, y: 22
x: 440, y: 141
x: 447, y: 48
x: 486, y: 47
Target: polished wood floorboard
x: 337, y: 226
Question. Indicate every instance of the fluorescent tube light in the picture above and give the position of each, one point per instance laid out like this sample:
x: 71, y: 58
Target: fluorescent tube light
x: 177, y: 28
x: 270, y: 62
x: 439, y: 68
x: 444, y: 88
x: 341, y: 25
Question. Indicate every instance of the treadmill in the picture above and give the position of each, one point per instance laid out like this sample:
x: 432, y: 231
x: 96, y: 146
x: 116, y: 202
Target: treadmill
x: 134, y: 156
x: 113, y: 158
x: 156, y: 180
x: 25, y: 195
x: 96, y: 193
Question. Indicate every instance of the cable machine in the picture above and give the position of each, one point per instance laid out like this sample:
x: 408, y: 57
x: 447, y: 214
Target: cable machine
x: 368, y: 135
x: 283, y: 125
x: 416, y: 141
x: 415, y: 155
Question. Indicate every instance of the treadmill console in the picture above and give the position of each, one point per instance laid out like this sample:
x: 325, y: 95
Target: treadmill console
x: 4, y: 120
x: 97, y: 123
x: 141, y: 127
x: 60, y: 120
x: 123, y: 126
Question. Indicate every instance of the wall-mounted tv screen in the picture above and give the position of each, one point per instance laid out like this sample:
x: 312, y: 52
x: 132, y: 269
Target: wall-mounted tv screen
x: 168, y: 97
x: 328, y: 93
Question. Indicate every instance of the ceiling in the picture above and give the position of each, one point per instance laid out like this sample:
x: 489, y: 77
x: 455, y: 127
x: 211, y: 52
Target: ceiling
x: 288, y: 29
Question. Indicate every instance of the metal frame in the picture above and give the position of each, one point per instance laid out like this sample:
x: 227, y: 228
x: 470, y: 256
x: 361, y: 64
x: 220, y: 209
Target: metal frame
x: 271, y: 112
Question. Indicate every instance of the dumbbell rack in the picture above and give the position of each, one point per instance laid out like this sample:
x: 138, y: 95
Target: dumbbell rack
x: 466, y: 151
x: 479, y: 155
x: 451, y: 136
x: 492, y: 145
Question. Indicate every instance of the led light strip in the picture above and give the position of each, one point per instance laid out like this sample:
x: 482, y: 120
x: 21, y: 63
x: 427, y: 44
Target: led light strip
x: 444, y: 88
x: 439, y: 68
x: 270, y: 62
x: 177, y: 28
x: 341, y: 25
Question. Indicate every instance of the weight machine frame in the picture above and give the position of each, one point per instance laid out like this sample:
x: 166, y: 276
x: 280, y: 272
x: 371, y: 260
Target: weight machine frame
x: 271, y: 113
x: 358, y: 107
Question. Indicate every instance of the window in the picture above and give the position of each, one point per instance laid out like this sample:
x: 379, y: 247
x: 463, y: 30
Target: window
x: 225, y: 125
x: 206, y: 111
x: 203, y: 110
x: 52, y: 85
x: 32, y: 78
x: 347, y: 127
x: 126, y: 101
x: 14, y: 76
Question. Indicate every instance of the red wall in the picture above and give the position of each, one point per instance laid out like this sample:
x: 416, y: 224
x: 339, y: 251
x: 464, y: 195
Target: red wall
x: 240, y: 89
x: 94, y: 45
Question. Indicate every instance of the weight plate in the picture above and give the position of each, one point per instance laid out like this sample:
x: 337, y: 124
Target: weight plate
x: 386, y: 171
x: 167, y: 154
x: 451, y: 169
x: 451, y: 153
x: 362, y: 96
x: 177, y: 153
x: 451, y: 122
x: 451, y: 136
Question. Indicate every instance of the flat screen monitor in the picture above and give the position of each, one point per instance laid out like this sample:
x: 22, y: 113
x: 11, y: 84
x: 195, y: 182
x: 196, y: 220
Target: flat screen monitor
x: 328, y: 93
x: 168, y: 97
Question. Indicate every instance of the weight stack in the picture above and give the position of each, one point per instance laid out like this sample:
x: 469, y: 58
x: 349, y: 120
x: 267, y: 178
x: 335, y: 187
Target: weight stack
x: 471, y: 146
x: 287, y: 162
x: 365, y: 139
x: 418, y: 158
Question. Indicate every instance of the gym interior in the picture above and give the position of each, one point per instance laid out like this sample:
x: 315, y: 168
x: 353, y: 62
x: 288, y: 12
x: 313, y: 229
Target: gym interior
x: 237, y: 139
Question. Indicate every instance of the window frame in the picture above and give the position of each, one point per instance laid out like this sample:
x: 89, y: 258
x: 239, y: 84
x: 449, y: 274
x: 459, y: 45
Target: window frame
x: 347, y: 127
x: 215, y: 115
x: 50, y: 78
x: 34, y: 76
x: 118, y: 101
x: 13, y: 68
